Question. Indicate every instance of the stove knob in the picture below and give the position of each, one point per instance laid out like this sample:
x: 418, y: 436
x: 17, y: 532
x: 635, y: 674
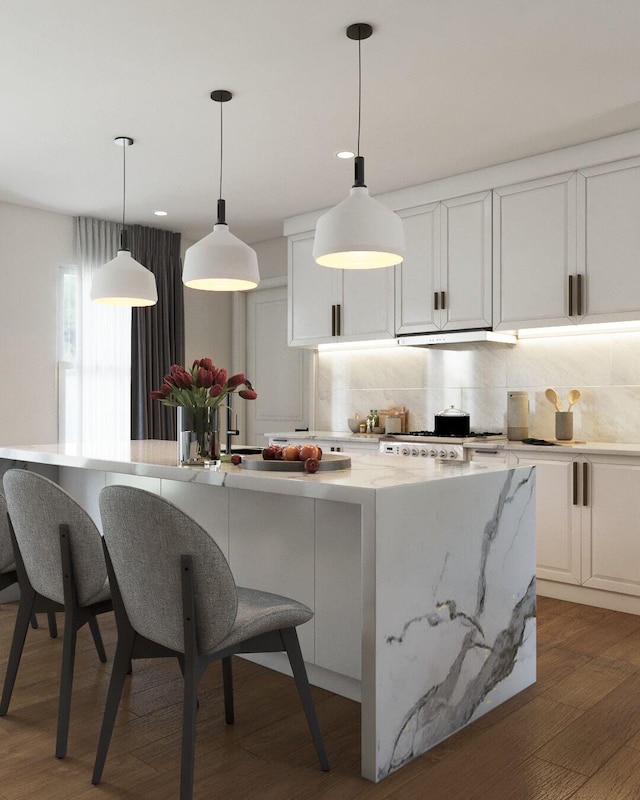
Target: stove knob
x: 433, y: 453
x: 414, y: 451
x: 453, y: 454
x: 405, y: 451
x: 443, y: 454
x: 423, y: 452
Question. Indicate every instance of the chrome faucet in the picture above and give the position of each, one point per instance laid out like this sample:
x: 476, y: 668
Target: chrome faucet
x: 230, y: 431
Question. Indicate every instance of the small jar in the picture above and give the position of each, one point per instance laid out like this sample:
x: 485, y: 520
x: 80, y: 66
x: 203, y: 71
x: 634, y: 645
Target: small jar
x: 363, y: 427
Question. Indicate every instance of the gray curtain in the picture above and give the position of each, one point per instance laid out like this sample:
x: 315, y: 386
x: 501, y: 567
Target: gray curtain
x: 157, y: 332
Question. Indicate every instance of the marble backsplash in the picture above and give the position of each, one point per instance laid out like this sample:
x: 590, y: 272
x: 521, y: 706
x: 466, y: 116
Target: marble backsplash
x: 604, y: 367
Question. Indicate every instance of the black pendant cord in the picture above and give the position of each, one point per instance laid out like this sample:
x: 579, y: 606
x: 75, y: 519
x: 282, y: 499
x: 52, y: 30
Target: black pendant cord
x: 359, y: 92
x: 220, y: 189
x: 221, y: 220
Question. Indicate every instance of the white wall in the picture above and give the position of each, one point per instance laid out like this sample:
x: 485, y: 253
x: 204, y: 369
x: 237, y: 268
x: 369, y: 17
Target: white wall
x: 605, y: 367
x: 272, y: 257
x: 33, y: 245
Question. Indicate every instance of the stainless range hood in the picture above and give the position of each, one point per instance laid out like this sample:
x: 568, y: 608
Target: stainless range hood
x: 444, y: 339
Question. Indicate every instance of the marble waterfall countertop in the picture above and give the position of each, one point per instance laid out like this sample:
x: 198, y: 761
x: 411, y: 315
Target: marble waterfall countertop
x: 369, y: 472
x: 427, y: 567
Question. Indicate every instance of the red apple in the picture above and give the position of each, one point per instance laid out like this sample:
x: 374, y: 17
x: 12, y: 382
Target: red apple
x: 312, y: 465
x: 291, y: 453
x: 236, y: 459
x: 269, y: 453
x: 310, y: 451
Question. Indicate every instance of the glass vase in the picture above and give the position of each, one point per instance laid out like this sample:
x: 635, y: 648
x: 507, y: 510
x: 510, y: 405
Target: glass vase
x: 198, y: 436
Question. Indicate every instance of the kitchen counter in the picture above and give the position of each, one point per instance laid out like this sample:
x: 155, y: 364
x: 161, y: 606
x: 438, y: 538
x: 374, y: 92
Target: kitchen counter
x: 599, y: 448
x: 340, y: 436
x: 420, y: 574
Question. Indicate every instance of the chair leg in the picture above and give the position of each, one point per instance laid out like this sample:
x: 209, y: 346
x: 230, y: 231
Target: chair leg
x: 24, y: 616
x: 121, y: 665
x: 66, y: 682
x: 227, y: 683
x: 188, y: 733
x: 34, y: 622
x: 53, y: 625
x: 290, y: 639
x: 97, y: 639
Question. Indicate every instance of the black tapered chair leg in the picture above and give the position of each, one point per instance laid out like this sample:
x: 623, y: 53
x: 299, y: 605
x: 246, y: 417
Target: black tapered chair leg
x: 227, y: 683
x: 97, y: 639
x: 292, y: 645
x: 34, y: 622
x: 188, y: 734
x: 23, y: 617
x: 53, y: 625
x: 66, y: 683
x: 121, y: 665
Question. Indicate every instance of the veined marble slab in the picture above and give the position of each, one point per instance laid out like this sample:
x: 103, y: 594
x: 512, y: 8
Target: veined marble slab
x: 455, y: 622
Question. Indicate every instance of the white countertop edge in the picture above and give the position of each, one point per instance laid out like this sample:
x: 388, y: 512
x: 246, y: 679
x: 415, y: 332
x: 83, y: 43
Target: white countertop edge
x: 600, y: 448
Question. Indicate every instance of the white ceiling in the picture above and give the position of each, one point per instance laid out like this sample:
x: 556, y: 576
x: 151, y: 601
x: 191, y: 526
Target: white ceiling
x: 448, y: 86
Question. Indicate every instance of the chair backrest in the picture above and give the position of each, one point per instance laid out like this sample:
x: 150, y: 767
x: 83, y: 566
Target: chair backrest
x: 145, y: 536
x: 6, y: 550
x: 37, y: 507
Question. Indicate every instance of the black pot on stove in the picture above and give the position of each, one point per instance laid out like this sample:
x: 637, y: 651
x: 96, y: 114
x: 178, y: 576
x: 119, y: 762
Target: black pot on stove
x: 452, y: 422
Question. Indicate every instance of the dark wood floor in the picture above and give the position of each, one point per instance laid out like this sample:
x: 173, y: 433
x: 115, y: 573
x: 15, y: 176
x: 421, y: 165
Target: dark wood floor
x: 575, y: 734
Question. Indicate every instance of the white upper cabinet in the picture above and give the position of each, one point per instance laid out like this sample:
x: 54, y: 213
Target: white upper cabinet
x: 331, y: 305
x: 609, y: 240
x: 444, y: 282
x: 534, y: 253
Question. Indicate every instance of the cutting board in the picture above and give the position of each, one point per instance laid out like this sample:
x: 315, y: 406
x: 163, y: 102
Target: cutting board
x: 330, y: 461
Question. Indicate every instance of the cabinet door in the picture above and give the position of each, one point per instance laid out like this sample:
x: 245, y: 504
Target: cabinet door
x: 418, y: 277
x: 611, y: 545
x: 609, y: 240
x: 534, y: 252
x: 465, y: 245
x: 313, y: 290
x: 557, y: 517
x: 367, y: 307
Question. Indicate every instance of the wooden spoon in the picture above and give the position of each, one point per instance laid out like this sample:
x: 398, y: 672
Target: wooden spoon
x: 573, y: 397
x: 553, y: 397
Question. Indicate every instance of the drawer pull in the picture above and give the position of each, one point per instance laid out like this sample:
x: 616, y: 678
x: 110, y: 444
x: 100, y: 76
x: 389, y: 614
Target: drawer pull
x: 442, y: 300
x: 436, y: 301
x: 579, y: 293
x: 585, y: 484
x: 570, y: 295
x: 333, y: 320
x: 575, y: 483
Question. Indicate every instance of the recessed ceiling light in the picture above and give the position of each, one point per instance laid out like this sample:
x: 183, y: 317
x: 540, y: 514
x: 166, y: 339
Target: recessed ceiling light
x: 345, y: 154
x: 160, y: 213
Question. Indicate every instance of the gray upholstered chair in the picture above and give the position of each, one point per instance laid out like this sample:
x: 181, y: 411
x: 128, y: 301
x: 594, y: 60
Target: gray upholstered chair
x: 61, y: 568
x: 174, y: 595
x: 8, y: 574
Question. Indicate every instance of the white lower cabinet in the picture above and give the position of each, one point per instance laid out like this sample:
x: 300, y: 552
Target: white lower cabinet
x: 587, y: 512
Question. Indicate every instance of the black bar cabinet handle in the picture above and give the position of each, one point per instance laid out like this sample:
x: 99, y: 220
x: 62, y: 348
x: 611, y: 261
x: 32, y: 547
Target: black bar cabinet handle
x: 436, y: 300
x: 333, y: 320
x: 585, y: 484
x: 575, y: 483
x: 570, y: 295
x: 442, y: 298
x: 579, y: 293
x: 339, y: 319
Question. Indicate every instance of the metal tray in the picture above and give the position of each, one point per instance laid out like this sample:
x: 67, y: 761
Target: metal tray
x: 329, y: 461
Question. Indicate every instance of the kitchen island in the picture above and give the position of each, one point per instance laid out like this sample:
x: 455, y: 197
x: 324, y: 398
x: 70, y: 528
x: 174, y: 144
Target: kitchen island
x: 421, y: 575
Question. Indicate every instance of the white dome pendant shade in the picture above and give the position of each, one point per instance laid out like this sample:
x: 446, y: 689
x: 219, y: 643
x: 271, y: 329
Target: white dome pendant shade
x: 123, y: 281
x: 221, y: 262
x: 359, y: 233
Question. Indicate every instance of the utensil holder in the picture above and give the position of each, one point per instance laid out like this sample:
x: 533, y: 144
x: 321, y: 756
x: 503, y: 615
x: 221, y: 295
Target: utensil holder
x: 564, y: 425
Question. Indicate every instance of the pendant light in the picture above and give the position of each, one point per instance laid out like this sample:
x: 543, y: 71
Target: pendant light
x: 220, y: 262
x: 123, y: 281
x: 359, y: 233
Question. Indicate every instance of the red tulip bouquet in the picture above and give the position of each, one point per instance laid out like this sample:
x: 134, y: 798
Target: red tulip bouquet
x: 198, y: 394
